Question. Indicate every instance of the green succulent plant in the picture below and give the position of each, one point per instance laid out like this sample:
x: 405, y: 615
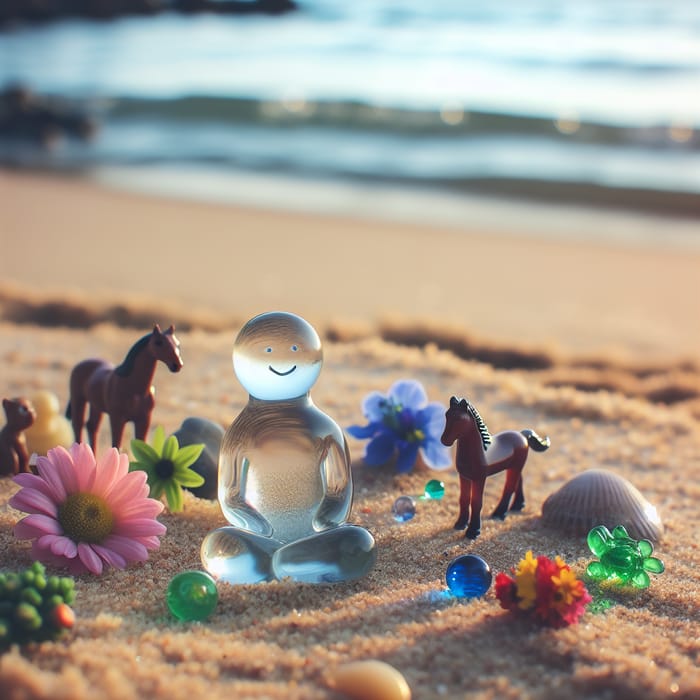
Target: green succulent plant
x: 34, y: 607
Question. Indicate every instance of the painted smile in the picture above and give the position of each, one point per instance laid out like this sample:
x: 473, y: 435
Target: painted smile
x: 281, y: 374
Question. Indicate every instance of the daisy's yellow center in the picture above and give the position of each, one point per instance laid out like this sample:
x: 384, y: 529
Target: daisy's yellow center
x: 86, y: 517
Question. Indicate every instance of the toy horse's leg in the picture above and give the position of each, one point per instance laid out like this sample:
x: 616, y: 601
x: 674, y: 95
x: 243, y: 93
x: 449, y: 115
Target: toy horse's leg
x: 141, y: 426
x: 93, y: 425
x: 465, y: 486
x: 509, y: 488
x: 117, y: 424
x: 519, y: 500
x: 76, y: 412
x: 474, y: 529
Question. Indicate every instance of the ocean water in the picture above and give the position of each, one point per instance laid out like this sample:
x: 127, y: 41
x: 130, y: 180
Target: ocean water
x: 586, y: 101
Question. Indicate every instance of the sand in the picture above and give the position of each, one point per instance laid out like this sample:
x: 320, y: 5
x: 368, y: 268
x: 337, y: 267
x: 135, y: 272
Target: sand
x: 596, y: 345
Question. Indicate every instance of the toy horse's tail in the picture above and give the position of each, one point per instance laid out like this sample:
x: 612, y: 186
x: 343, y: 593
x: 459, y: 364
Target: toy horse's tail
x: 535, y: 441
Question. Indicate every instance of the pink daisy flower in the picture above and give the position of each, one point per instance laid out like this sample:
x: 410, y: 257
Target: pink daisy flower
x: 87, y: 513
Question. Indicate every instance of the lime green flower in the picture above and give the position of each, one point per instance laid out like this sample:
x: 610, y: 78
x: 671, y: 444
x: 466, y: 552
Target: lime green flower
x: 167, y: 466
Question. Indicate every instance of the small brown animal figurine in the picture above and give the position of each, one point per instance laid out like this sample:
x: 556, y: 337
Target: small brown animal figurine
x: 479, y: 455
x: 14, y: 457
x: 124, y: 392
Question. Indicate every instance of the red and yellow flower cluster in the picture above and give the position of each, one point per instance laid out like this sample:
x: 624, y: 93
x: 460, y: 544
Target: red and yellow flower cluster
x: 548, y: 589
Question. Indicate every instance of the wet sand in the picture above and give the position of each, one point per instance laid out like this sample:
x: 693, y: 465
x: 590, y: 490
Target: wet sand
x: 71, y: 238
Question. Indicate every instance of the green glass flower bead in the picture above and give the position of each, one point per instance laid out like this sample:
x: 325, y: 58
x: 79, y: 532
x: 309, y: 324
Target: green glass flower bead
x: 192, y: 595
x: 621, y: 558
x: 434, y: 490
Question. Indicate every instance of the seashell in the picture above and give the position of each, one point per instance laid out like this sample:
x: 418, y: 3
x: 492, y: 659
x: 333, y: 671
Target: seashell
x: 599, y: 497
x: 370, y: 680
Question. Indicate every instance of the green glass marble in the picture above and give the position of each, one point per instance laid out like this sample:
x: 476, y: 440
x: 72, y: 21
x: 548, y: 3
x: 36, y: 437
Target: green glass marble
x: 621, y: 558
x: 192, y: 595
x: 434, y: 489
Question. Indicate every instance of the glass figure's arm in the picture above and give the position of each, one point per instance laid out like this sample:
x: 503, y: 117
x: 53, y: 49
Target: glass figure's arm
x: 334, y: 509
x: 233, y: 472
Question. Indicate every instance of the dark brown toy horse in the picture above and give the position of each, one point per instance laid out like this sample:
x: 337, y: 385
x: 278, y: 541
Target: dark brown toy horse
x: 479, y: 455
x: 14, y: 457
x: 124, y: 392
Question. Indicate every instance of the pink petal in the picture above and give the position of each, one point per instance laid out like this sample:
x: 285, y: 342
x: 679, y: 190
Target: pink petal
x: 84, y: 461
x: 43, y: 554
x: 62, y: 462
x: 59, y: 545
x: 89, y: 558
x: 149, y: 542
x: 33, y: 501
x: 36, y: 525
x: 139, y: 527
x: 142, y: 508
x: 123, y: 464
x: 32, y: 481
x: 64, y: 547
x: 110, y: 556
x: 132, y: 488
x: 130, y: 549
x: 107, y: 472
x: 46, y: 541
x: 50, y: 474
x: 75, y: 566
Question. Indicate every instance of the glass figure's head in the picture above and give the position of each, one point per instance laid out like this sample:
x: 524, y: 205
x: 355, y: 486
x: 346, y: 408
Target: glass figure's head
x: 277, y: 356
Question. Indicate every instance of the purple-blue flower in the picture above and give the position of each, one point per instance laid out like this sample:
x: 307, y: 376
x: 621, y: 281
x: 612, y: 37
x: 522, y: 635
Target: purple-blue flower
x: 403, y: 420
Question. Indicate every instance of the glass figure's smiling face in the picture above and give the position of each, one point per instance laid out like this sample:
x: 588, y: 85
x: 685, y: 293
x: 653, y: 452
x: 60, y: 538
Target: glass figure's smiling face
x: 277, y: 356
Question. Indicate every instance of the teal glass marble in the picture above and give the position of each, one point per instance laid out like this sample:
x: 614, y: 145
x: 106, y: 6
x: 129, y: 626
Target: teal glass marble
x: 192, y: 595
x: 285, y: 485
x: 468, y: 576
x: 621, y: 558
x: 404, y: 509
x: 434, y: 490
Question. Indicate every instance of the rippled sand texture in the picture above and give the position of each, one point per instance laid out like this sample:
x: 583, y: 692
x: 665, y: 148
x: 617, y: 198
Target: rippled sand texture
x: 280, y: 640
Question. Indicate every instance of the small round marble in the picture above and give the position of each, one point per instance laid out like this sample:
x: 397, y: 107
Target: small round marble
x: 404, y: 509
x: 468, y: 576
x: 434, y: 490
x: 192, y: 595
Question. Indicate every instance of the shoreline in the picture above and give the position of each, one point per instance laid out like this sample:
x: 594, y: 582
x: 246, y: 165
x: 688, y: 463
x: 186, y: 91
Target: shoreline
x: 510, y: 212
x: 494, y: 280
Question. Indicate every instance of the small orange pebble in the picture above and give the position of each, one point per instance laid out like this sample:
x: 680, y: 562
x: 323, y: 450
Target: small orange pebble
x: 370, y: 680
x: 366, y: 509
x: 63, y: 615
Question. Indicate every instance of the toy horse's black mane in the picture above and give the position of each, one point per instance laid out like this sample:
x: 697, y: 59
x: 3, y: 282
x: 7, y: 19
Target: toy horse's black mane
x: 483, y: 430
x: 126, y: 367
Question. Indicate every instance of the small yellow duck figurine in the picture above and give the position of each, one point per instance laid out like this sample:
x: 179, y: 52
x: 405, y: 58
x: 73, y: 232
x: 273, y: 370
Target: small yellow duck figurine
x: 50, y: 428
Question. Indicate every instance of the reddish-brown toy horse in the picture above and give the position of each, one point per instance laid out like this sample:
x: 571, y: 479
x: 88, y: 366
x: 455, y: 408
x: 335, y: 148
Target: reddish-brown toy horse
x: 479, y: 455
x: 124, y: 392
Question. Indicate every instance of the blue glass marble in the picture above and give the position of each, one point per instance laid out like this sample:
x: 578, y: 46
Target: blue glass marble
x: 404, y: 509
x: 468, y: 576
